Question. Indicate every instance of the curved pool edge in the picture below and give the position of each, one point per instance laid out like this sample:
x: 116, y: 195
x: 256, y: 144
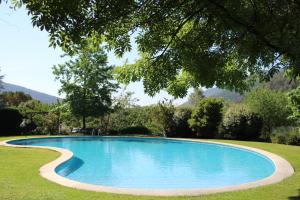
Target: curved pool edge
x: 283, y: 170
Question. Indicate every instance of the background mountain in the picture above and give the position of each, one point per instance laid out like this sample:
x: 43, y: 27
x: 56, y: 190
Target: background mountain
x: 221, y: 93
x: 279, y: 82
x: 43, y: 97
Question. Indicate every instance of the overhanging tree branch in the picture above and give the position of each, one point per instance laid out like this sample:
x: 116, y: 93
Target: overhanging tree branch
x: 249, y: 28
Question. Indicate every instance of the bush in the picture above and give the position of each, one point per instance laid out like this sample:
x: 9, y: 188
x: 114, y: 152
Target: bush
x: 206, y: 117
x: 162, y: 116
x: 241, y: 123
x: 281, y: 139
x: 10, y: 121
x: 139, y: 130
x: 294, y: 140
x: 286, y: 135
x: 27, y: 127
x: 181, y: 127
x: 272, y: 106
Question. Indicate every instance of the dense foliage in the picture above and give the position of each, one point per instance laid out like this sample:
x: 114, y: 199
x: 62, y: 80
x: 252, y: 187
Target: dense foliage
x: 182, y: 127
x: 272, y: 107
x: 10, y: 122
x: 286, y: 135
x: 14, y: 99
x: 294, y: 99
x: 163, y: 115
x: 36, y: 114
x: 206, y: 117
x: 241, y: 123
x: 86, y: 81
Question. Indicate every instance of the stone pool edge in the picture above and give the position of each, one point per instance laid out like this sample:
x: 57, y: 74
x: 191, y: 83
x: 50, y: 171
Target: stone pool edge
x: 283, y: 169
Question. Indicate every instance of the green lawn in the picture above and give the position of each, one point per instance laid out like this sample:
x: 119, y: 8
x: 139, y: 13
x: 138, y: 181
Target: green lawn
x: 19, y: 178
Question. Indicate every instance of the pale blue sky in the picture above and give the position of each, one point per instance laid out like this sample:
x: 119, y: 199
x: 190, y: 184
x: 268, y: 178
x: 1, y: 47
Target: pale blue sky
x: 26, y: 59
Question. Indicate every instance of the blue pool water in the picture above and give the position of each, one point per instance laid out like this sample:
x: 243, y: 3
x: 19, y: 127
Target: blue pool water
x: 154, y: 163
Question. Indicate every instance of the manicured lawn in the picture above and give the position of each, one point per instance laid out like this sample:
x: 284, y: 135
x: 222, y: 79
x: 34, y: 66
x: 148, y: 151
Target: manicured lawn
x: 19, y: 178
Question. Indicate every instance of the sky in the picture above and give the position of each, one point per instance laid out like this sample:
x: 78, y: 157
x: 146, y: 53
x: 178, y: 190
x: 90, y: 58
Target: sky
x: 27, y: 60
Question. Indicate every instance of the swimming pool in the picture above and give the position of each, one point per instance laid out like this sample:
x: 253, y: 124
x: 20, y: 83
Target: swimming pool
x: 156, y: 163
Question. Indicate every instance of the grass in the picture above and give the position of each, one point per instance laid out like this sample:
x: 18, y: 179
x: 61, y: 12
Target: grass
x: 19, y: 178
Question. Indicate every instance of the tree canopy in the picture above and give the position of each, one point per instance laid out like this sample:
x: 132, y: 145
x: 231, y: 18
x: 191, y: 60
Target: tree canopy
x: 14, y: 98
x: 86, y: 81
x: 272, y: 106
x: 294, y: 104
x: 182, y: 43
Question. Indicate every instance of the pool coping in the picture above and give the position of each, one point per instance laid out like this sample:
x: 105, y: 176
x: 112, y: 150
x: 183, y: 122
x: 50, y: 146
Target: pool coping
x: 283, y: 170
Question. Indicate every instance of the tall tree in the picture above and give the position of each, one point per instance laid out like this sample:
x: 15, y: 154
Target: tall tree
x: 182, y: 43
x: 87, y: 82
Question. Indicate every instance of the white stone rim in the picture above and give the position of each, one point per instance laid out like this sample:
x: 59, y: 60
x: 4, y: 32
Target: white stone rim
x: 283, y: 170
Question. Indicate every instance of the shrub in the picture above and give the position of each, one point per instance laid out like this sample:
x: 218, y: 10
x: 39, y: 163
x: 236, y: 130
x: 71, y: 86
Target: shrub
x: 294, y: 140
x: 140, y: 130
x: 281, y: 139
x: 206, y: 117
x: 286, y: 135
x: 27, y: 126
x: 162, y: 116
x: 10, y: 121
x: 294, y: 104
x: 181, y: 127
x: 241, y: 123
x: 272, y: 106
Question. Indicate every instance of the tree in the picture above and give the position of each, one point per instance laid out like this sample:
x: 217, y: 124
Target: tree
x: 86, y: 81
x: 32, y: 107
x: 195, y: 97
x: 35, y: 114
x: 206, y: 117
x: 14, y: 99
x: 294, y: 104
x: 126, y: 100
x: 272, y: 106
x: 182, y: 43
x: 65, y: 119
x: 122, y: 115
x: 162, y: 115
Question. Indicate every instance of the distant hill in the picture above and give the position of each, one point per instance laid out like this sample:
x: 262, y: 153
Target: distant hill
x: 279, y: 82
x: 221, y: 93
x: 45, y: 98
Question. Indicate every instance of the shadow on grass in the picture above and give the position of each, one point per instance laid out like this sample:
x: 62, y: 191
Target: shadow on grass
x: 295, y: 197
